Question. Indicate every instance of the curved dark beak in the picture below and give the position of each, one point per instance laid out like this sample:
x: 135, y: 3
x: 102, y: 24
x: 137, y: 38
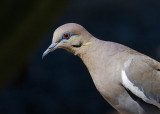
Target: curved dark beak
x: 51, y: 48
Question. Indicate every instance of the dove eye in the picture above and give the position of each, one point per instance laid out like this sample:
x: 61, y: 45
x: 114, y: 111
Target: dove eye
x: 66, y: 35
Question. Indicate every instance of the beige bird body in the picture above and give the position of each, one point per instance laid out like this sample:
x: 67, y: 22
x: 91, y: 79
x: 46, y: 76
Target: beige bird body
x: 106, y: 74
x: 127, y: 79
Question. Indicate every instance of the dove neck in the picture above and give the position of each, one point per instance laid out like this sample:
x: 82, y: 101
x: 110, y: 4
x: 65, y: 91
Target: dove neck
x: 91, y: 52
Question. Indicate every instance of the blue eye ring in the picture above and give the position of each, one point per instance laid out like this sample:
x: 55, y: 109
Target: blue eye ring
x: 66, y: 36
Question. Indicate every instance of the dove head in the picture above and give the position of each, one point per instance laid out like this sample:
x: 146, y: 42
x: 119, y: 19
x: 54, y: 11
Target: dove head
x: 71, y: 37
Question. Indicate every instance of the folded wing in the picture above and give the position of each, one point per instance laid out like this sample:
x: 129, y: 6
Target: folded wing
x: 141, y: 76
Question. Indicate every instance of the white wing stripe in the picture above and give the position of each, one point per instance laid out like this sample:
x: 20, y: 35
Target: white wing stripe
x: 135, y: 90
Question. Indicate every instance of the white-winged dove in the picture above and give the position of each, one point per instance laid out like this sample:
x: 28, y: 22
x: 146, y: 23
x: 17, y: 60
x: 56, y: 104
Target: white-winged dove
x: 127, y: 79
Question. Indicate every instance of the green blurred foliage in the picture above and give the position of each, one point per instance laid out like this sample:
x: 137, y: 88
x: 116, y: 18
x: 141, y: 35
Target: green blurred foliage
x: 23, y: 24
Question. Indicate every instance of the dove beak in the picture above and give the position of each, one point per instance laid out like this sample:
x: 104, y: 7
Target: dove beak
x: 51, y: 48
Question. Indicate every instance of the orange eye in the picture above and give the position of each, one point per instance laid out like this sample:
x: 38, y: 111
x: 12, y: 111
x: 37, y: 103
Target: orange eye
x: 66, y: 35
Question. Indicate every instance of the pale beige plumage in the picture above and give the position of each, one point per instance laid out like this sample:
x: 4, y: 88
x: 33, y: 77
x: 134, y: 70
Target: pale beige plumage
x: 128, y: 80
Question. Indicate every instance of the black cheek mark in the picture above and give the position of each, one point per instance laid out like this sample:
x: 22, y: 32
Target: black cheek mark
x: 77, y: 46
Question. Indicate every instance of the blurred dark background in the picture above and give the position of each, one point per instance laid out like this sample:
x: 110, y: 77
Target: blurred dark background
x: 61, y: 84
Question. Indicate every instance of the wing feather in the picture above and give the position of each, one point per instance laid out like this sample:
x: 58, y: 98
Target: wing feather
x: 141, y: 76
